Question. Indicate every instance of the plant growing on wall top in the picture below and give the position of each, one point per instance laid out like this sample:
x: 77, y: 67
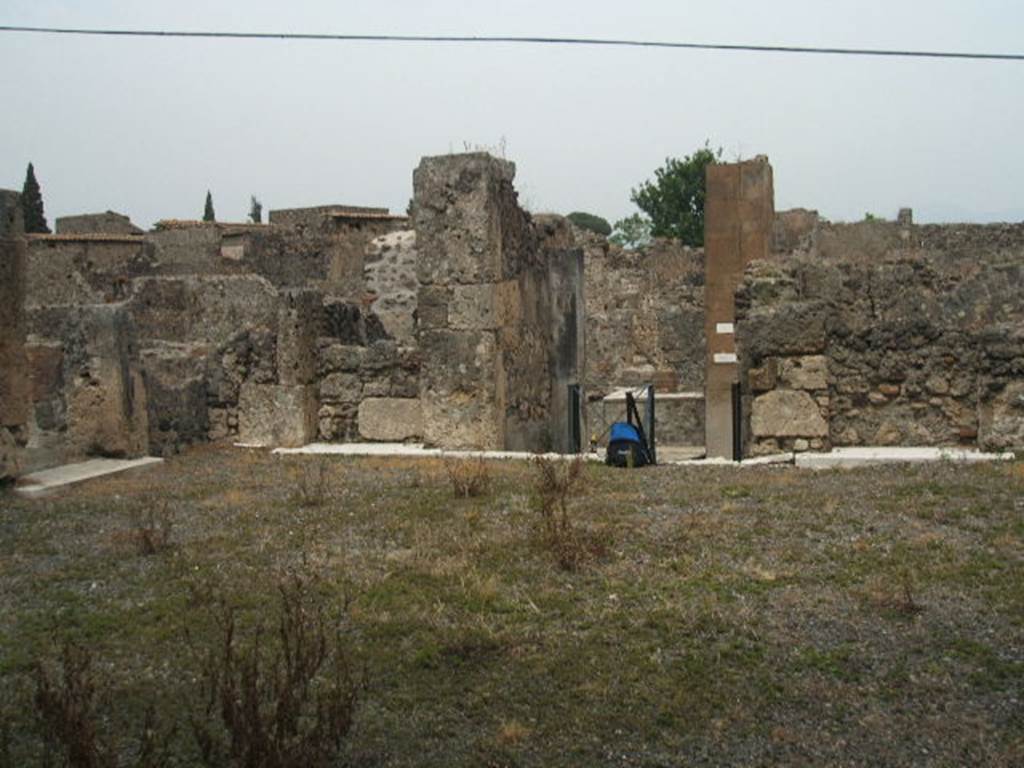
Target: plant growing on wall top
x: 32, y: 204
x: 208, y: 214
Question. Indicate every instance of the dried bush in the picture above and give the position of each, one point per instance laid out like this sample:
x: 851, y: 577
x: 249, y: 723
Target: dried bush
x: 469, y: 477
x: 151, y: 530
x: 270, y: 704
x: 556, y: 483
x: 314, y: 483
x: 66, y: 709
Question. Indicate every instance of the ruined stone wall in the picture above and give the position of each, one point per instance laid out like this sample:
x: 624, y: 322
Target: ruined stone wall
x: 88, y: 396
x: 68, y: 270
x: 14, y: 380
x: 883, y: 333
x: 389, y: 273
x: 645, y: 324
x: 486, y: 330
x: 107, y: 223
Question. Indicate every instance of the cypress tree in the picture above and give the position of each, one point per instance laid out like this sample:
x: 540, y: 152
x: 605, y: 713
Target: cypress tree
x: 208, y: 214
x: 255, y: 210
x: 32, y: 204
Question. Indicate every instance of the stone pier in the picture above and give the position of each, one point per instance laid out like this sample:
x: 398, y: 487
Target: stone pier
x: 738, y: 224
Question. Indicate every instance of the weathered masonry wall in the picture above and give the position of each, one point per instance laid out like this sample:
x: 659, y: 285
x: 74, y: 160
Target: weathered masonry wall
x: 486, y: 304
x: 14, y: 380
x: 107, y: 223
x: 739, y: 220
x: 885, y: 334
x: 645, y: 324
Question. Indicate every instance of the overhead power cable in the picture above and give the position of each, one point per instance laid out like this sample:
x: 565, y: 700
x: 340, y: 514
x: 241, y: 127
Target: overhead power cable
x: 520, y: 40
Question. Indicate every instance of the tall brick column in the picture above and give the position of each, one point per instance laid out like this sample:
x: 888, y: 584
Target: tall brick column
x: 739, y: 213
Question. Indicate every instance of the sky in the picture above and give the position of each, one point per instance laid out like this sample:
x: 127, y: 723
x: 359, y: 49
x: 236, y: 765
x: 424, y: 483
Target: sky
x: 145, y: 126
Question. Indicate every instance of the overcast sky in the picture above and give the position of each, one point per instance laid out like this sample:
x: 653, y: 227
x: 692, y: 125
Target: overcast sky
x: 145, y: 126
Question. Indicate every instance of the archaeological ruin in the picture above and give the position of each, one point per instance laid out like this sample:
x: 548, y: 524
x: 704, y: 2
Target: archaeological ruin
x: 472, y: 324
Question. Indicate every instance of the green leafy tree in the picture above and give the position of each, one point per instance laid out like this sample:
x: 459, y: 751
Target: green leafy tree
x: 674, y: 200
x: 255, y: 210
x: 590, y: 222
x: 632, y: 232
x: 208, y: 214
x: 32, y: 204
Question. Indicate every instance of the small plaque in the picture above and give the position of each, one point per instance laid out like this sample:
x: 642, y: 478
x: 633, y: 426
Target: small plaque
x: 725, y: 357
x: 724, y: 328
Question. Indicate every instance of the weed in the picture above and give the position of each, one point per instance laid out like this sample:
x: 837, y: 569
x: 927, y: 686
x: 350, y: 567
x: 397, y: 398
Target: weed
x: 66, y: 709
x: 469, y: 477
x: 67, y: 715
x: 276, y: 705
x: 314, y: 482
x: 556, y: 482
x: 151, y: 530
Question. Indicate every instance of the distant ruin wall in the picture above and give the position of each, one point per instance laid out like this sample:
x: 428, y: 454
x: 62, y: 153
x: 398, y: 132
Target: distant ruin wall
x: 14, y: 379
x: 883, y: 333
x: 108, y: 223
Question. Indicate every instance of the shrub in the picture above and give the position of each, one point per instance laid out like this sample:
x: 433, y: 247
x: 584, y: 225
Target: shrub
x: 151, y: 530
x: 469, y: 477
x: 590, y: 222
x: 557, y: 481
x: 276, y: 705
x: 314, y: 483
x: 66, y: 709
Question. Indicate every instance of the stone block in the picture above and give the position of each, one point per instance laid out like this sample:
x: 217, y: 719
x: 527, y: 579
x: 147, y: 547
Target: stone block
x: 432, y: 307
x: 787, y: 413
x: 808, y: 372
x: 472, y: 308
x: 765, y: 377
x: 390, y: 419
x: 1001, y: 418
x: 298, y: 323
x: 277, y: 415
x: 337, y: 358
x: 341, y: 388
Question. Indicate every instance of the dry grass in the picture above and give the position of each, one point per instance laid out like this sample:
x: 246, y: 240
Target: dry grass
x: 468, y: 477
x: 758, y: 617
x: 556, y: 485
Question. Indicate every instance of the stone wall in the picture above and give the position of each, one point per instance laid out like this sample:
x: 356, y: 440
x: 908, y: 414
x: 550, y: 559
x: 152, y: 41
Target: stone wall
x: 389, y: 273
x: 885, y: 333
x: 88, y: 395
x: 107, y: 223
x: 14, y: 379
x: 68, y: 270
x: 486, y: 304
x: 644, y: 322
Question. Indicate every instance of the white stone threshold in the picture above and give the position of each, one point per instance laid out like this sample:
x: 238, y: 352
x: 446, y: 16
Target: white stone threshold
x: 670, y: 455
x: 415, y: 451
x: 860, y: 457
x: 49, y: 481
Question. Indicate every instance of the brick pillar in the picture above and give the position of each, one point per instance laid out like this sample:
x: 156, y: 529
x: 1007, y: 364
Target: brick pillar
x: 739, y: 212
